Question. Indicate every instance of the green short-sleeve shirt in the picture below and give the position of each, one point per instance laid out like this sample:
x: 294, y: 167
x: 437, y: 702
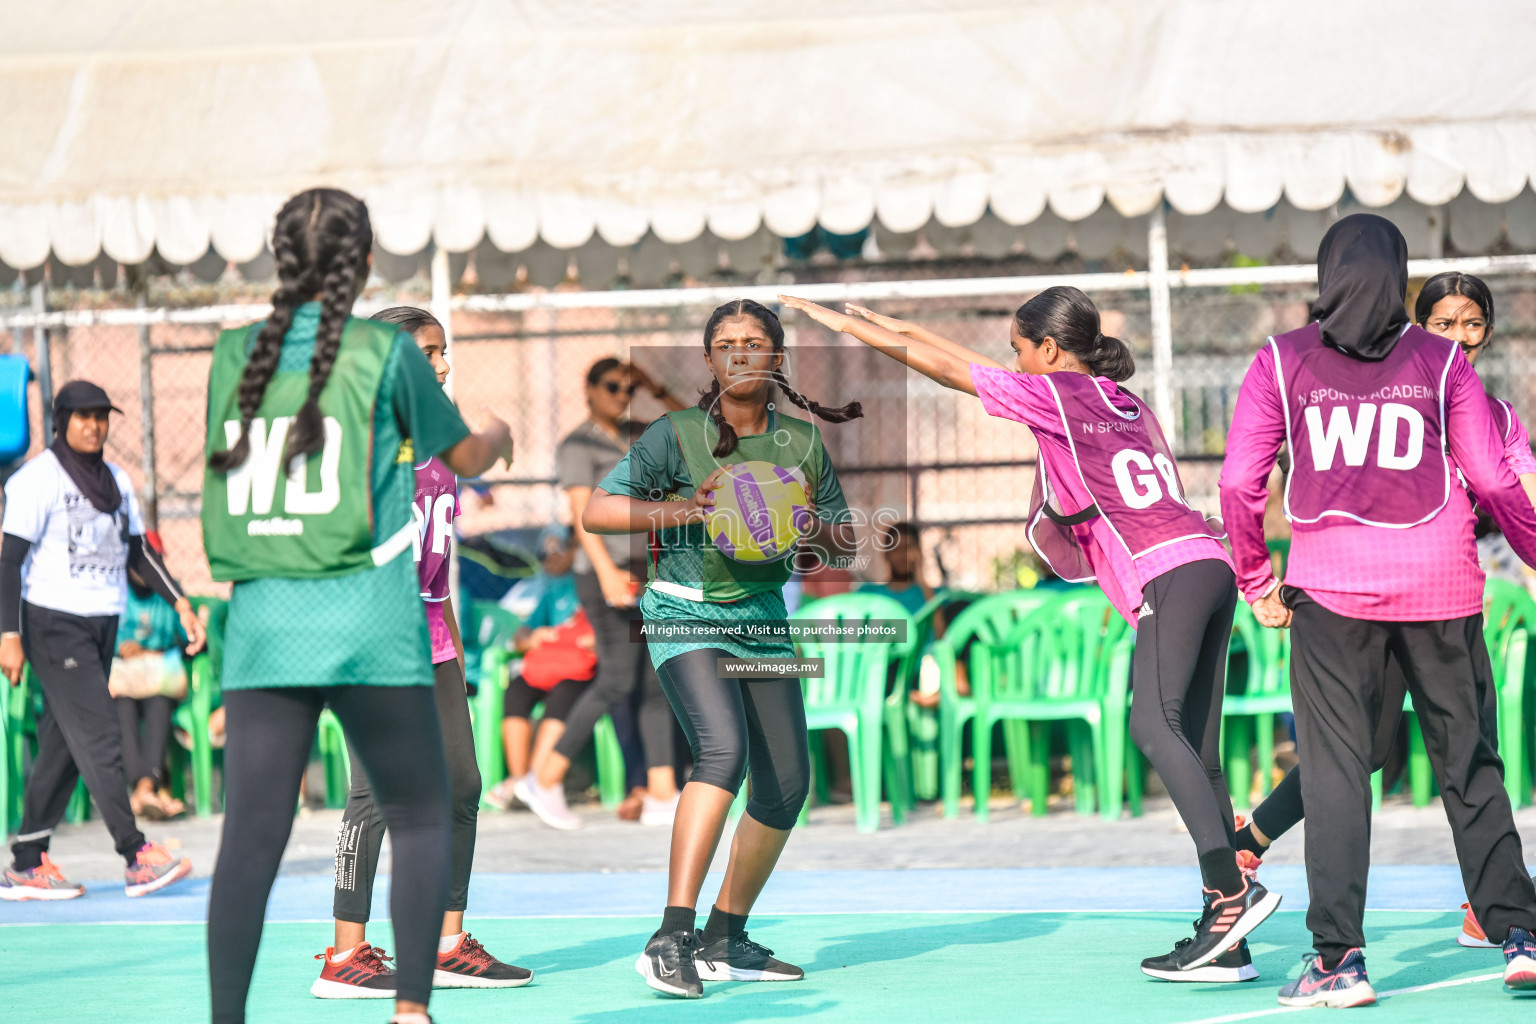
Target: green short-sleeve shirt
x: 654, y: 468
x: 369, y: 627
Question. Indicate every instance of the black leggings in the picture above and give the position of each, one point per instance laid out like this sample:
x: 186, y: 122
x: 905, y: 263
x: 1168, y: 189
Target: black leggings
x: 735, y: 723
x: 520, y: 699
x: 1279, y: 812
x: 270, y: 735
x: 144, y: 755
x: 361, y: 834
x: 623, y: 667
x: 1177, y: 675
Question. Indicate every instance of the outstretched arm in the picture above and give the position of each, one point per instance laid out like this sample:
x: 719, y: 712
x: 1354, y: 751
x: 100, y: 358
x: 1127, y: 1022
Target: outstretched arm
x: 919, y: 333
x: 939, y: 364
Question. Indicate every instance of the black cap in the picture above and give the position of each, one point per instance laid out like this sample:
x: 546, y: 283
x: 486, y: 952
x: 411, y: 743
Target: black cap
x: 82, y: 394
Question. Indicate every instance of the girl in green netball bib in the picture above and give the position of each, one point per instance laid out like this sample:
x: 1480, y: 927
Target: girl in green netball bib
x: 307, y: 510
x: 684, y: 456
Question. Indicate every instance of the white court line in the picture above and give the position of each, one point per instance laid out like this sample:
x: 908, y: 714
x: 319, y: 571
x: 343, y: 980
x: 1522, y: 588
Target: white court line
x: 766, y: 913
x: 1230, y: 1017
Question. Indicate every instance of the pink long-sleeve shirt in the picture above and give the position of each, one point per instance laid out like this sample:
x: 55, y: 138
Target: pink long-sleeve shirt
x: 1421, y: 573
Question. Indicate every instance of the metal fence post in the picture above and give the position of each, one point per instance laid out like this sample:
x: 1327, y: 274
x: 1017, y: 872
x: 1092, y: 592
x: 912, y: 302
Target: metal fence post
x: 441, y: 305
x: 44, y: 361
x: 1162, y: 322
x: 150, y: 496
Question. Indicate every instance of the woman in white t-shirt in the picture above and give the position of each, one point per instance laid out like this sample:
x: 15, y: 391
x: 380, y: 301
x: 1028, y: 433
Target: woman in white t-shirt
x: 71, y: 532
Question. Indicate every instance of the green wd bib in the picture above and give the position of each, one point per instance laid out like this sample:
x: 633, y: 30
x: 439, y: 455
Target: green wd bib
x: 315, y: 521
x: 790, y: 443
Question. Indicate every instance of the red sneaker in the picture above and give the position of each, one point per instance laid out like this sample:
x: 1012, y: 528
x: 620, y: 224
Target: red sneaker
x: 44, y: 882
x: 1472, y: 933
x: 154, y: 869
x: 468, y: 965
x: 364, y: 974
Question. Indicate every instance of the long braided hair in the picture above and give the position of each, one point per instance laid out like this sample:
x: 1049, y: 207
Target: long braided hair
x: 709, y: 400
x: 321, y: 244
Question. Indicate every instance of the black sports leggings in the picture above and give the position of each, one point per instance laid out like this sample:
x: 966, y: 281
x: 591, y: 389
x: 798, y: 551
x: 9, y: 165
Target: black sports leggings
x: 270, y: 734
x: 1279, y: 812
x: 734, y: 723
x: 361, y: 834
x: 1177, y: 675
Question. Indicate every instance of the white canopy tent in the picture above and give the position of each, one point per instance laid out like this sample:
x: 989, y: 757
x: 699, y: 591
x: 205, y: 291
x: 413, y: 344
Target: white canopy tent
x: 179, y: 126
x: 181, y: 123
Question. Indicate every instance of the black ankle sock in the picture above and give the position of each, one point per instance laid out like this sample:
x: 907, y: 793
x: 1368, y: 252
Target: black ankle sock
x: 1218, y: 871
x: 1246, y: 840
x: 721, y: 924
x: 677, y: 919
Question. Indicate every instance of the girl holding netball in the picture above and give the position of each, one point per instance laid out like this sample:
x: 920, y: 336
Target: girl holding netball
x: 665, y: 486
x: 307, y: 509
x: 1108, y: 505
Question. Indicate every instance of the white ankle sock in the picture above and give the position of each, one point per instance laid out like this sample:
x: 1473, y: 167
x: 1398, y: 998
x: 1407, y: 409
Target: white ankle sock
x: 410, y: 1018
x: 341, y: 954
x: 445, y: 943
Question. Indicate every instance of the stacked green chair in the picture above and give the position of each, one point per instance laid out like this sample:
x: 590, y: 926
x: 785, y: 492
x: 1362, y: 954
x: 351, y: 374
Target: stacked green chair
x: 987, y: 620
x: 850, y: 696
x: 203, y: 676
x: 487, y: 632
x: 1252, y: 702
x: 1054, y: 666
x: 1509, y: 617
x: 334, y: 756
x: 923, y: 723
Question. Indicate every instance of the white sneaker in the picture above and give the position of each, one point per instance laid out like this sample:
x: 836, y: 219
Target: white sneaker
x: 548, y: 803
x: 658, y: 812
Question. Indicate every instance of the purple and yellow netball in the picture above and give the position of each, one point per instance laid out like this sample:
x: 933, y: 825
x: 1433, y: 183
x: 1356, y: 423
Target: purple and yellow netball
x: 760, y: 512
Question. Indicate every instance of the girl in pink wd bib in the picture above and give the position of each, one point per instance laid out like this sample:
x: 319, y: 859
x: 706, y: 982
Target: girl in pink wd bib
x: 1108, y: 505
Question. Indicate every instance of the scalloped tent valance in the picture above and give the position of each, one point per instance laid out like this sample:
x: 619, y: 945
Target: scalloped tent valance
x: 132, y: 127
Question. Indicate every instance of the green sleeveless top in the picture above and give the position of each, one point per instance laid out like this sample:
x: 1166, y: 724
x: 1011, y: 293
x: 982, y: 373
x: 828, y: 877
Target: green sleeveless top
x: 656, y: 468
x: 314, y: 519
x: 367, y: 627
x: 689, y: 559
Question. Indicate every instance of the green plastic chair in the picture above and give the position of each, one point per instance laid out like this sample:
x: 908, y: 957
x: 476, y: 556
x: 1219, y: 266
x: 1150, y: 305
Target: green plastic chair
x: 334, y: 756
x: 851, y: 697
x: 204, y: 672
x: 1054, y: 667
x: 1509, y: 616
x: 487, y: 632
x: 1249, y: 707
x: 923, y: 723
x: 987, y: 620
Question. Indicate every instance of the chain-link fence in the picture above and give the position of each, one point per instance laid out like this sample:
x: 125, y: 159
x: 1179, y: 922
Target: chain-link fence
x: 963, y: 476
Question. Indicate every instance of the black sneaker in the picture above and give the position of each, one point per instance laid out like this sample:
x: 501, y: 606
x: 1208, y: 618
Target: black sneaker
x: 667, y: 964
x: 738, y: 958
x: 1234, y: 964
x: 1226, y: 920
x: 1344, y: 986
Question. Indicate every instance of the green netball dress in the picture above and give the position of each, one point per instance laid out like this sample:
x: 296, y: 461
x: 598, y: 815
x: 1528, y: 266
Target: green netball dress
x: 690, y: 581
x: 325, y: 591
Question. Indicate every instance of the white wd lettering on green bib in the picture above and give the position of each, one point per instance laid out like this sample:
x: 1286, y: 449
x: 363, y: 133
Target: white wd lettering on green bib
x: 314, y: 519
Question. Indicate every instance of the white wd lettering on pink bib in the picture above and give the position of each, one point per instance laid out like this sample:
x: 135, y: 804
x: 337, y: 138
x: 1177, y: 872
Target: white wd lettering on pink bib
x: 1367, y: 438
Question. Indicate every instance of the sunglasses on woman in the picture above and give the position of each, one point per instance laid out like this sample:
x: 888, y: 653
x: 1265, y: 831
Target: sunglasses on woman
x: 613, y: 387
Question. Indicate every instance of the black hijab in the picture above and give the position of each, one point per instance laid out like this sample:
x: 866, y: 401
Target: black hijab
x: 1362, y: 285
x: 88, y: 470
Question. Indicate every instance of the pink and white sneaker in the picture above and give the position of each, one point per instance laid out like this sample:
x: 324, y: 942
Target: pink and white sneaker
x: 44, y: 882
x: 154, y: 869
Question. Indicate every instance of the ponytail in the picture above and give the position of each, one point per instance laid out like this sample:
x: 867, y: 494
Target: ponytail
x: 1069, y: 317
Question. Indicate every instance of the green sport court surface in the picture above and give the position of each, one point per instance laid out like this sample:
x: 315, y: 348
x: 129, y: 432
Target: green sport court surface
x: 1073, y: 959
